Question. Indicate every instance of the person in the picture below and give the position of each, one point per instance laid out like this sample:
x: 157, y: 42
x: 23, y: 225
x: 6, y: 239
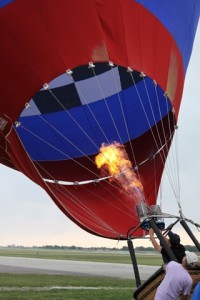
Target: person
x: 174, y: 243
x: 177, y: 283
x: 196, y: 292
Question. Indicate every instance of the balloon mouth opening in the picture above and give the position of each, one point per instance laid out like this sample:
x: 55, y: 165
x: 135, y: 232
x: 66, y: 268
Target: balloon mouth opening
x: 71, y: 116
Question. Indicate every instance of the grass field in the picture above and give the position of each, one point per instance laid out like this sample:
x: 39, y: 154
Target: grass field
x: 58, y: 287
x: 152, y: 259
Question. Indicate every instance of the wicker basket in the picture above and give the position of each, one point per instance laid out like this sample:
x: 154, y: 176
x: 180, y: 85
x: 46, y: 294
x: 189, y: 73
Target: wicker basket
x: 147, y: 290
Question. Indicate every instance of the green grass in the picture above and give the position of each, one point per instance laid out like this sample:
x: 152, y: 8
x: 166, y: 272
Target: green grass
x: 95, y: 256
x: 41, y: 287
x: 47, y: 287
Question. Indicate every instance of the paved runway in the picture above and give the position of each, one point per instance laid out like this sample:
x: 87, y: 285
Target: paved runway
x: 68, y: 267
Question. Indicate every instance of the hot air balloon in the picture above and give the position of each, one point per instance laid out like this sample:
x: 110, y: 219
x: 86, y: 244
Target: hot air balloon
x: 77, y: 79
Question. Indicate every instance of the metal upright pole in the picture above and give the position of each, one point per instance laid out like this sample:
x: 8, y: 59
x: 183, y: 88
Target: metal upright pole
x: 162, y: 240
x: 190, y: 233
x: 134, y: 262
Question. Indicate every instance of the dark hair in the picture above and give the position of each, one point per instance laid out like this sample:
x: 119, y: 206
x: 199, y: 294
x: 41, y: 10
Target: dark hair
x: 178, y: 251
x: 174, y: 238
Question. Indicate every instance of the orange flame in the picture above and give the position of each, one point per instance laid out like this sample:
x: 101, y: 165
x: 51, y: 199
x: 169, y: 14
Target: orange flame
x: 114, y: 159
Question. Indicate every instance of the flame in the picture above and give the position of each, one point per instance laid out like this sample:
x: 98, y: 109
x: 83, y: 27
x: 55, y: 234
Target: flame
x: 114, y: 159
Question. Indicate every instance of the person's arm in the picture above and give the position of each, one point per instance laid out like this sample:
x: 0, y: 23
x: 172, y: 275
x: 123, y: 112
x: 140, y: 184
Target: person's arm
x: 166, y: 238
x: 187, y: 290
x: 153, y: 240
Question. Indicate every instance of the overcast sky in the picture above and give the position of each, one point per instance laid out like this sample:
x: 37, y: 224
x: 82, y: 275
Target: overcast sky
x: 29, y: 217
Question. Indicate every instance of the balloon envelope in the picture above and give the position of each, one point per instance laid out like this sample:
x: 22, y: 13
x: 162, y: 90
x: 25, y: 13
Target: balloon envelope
x: 74, y: 77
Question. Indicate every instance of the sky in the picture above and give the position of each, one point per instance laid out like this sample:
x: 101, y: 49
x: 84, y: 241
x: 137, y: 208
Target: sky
x: 28, y: 217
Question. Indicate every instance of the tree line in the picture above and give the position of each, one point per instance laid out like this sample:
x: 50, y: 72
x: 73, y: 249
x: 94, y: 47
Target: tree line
x: 124, y: 248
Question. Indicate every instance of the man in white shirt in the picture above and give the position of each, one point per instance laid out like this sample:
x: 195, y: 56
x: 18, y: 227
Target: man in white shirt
x: 177, y: 282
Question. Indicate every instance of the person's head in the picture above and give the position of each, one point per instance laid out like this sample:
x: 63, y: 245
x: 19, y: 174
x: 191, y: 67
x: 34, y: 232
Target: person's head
x: 190, y: 259
x: 179, y: 253
x: 174, y: 239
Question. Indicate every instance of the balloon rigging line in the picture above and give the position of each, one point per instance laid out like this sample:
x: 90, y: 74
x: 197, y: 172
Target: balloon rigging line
x: 170, y: 165
x: 125, y: 203
x: 72, y: 183
x: 55, y: 148
x: 74, y: 120
x: 49, y: 188
x: 96, y: 195
x: 97, y: 225
x: 177, y: 168
x: 175, y: 160
x: 154, y: 118
x: 174, y: 163
x: 47, y: 88
x: 80, y: 92
x: 166, y: 166
x: 148, y: 120
x: 96, y: 180
x: 88, y: 106
x: 94, y: 118
x: 122, y: 108
x: 90, y: 109
x: 128, y: 212
x: 122, y: 111
x: 159, y: 109
x: 84, y: 182
x: 153, y: 115
x: 164, y: 134
x: 84, y: 208
x: 139, y: 97
x: 173, y: 173
x: 63, y: 154
x: 106, y: 104
x: 146, y: 115
x: 157, y: 130
x: 111, y: 66
x: 126, y: 125
x: 60, y: 133
x: 72, y: 197
x: 75, y: 146
x: 93, y: 114
x: 155, y: 181
x: 55, y: 180
x: 91, y: 66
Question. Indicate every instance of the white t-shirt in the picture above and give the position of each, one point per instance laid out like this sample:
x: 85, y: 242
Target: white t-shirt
x: 176, y: 281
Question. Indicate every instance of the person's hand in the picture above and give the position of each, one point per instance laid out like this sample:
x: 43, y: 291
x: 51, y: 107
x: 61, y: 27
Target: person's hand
x: 151, y: 232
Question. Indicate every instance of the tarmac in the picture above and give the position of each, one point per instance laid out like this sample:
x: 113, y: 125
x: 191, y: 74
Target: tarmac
x: 70, y: 267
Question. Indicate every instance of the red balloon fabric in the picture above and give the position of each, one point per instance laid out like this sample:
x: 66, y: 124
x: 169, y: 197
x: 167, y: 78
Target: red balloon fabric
x: 75, y: 76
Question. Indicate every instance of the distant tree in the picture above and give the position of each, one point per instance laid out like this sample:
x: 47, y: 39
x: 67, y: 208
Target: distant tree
x: 124, y: 248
